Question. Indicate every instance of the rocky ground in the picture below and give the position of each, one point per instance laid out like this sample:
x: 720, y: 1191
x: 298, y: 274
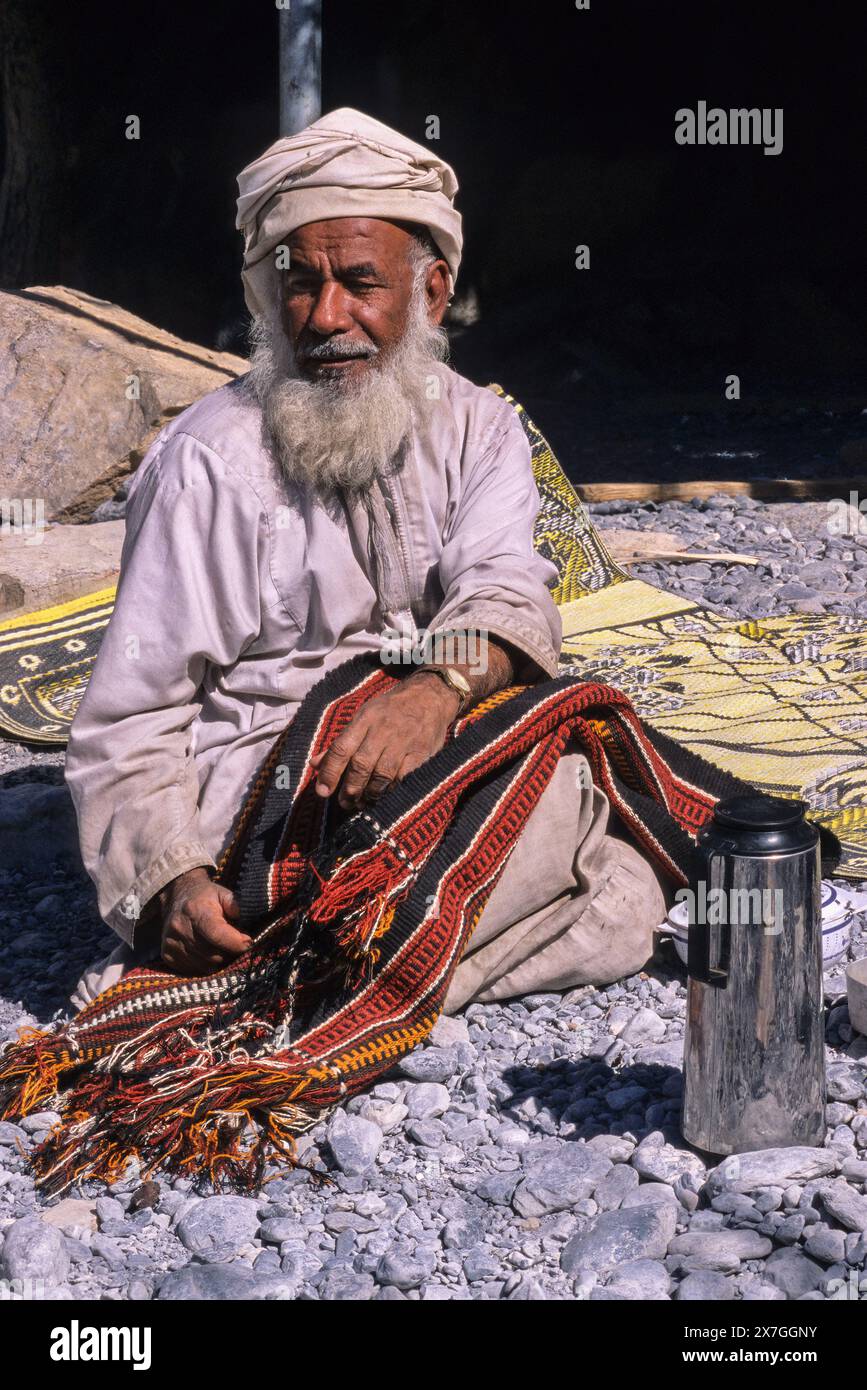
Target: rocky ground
x: 529, y: 1150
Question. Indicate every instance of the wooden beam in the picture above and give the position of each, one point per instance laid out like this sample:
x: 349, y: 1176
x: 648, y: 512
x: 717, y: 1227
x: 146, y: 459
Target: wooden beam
x: 764, y: 489
x: 637, y: 547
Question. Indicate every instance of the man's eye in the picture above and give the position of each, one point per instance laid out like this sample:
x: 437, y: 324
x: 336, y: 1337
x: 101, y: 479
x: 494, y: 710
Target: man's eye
x: 300, y: 284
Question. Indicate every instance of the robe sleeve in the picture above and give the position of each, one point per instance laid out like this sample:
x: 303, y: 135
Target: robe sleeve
x: 492, y: 578
x: 188, y: 600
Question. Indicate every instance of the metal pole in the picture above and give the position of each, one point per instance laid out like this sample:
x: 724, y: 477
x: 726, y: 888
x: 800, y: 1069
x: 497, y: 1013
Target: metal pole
x: 300, y: 64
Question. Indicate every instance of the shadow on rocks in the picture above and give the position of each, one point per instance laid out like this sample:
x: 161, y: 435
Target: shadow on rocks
x: 50, y: 930
x: 580, y: 1099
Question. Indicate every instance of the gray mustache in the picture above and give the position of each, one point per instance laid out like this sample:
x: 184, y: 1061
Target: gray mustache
x: 336, y: 348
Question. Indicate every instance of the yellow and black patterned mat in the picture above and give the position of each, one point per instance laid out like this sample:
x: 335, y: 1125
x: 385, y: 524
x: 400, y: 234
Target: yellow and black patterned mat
x: 45, y: 661
x: 780, y: 702
x: 564, y: 532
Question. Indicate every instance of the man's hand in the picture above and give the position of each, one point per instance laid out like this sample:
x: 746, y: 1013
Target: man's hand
x: 198, y: 936
x: 393, y: 734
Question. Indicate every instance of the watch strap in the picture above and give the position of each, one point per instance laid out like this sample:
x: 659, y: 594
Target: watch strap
x: 445, y: 675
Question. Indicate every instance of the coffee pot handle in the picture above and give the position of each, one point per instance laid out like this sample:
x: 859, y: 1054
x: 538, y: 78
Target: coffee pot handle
x: 698, y: 958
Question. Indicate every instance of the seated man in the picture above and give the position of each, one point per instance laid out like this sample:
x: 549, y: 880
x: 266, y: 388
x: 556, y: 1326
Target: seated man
x: 351, y: 493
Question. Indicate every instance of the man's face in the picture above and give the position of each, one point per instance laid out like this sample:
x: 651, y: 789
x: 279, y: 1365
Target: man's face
x: 346, y: 294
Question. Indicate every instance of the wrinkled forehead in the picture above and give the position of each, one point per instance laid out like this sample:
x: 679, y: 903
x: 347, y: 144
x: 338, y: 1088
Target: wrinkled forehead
x: 345, y: 242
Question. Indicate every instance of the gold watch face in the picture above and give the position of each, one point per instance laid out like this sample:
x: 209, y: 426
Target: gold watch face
x: 460, y: 682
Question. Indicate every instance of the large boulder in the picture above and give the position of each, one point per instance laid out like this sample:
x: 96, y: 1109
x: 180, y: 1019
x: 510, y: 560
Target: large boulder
x: 84, y: 387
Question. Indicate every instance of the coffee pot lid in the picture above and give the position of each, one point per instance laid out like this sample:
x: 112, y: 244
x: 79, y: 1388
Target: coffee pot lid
x: 755, y: 811
x: 755, y: 824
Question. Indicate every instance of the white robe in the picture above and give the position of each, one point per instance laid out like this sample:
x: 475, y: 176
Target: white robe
x: 238, y: 591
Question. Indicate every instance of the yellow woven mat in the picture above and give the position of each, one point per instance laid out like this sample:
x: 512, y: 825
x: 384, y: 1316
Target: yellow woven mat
x: 780, y: 702
x: 45, y: 662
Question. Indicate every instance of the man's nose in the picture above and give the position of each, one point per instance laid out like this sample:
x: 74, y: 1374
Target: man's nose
x: 330, y: 312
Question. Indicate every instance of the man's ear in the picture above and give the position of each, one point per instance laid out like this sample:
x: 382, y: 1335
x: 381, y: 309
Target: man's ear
x: 436, y: 290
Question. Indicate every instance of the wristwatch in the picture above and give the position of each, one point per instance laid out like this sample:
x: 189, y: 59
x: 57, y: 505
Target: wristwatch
x: 456, y: 682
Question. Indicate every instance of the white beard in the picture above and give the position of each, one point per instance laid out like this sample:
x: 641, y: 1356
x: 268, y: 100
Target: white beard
x: 331, y: 434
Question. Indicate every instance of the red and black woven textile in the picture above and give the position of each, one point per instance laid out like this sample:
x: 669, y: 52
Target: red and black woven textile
x: 358, y: 929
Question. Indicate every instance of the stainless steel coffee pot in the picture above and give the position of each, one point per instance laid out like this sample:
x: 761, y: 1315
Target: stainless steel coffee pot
x: 754, y: 1058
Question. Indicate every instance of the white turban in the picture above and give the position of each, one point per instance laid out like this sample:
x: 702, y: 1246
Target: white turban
x: 345, y: 164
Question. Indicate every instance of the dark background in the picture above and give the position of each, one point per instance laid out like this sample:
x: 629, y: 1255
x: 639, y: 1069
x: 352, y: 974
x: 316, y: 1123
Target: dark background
x: 560, y: 124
